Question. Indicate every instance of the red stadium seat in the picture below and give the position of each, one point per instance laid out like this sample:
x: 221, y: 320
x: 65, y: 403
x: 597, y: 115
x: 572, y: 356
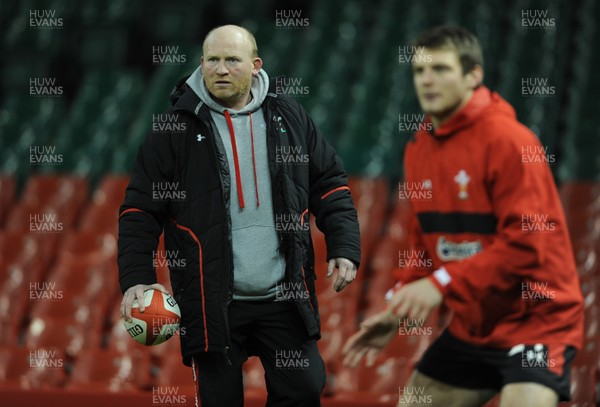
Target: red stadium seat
x: 321, y: 283
x: 44, y: 188
x: 65, y: 335
x: 380, y: 382
x: 101, y: 215
x: 371, y: 201
x: 14, y: 302
x: 56, y: 201
x: 7, y: 196
x: 381, y: 276
x: 172, y: 372
x: 110, y: 370
x: 84, y: 295
x: 583, y: 384
x: 384, y: 261
x: 88, y: 247
x: 28, y: 251
x: 338, y: 321
x: 578, y: 196
x: 17, y: 274
x: 412, y: 347
x: 30, y: 368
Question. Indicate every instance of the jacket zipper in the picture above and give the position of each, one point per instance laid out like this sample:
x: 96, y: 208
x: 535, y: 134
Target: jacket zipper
x: 226, y: 221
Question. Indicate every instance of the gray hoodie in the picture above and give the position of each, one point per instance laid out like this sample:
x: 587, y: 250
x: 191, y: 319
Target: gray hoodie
x: 257, y: 265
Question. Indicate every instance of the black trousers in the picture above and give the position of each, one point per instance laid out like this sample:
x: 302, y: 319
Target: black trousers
x: 275, y: 332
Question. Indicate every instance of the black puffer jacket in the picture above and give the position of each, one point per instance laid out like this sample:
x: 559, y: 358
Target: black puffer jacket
x: 197, y: 224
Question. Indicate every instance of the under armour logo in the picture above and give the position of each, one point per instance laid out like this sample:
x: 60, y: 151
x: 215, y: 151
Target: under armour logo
x: 200, y: 137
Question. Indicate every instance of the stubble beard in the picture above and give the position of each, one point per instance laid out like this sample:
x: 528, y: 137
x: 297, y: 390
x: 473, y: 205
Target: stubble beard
x: 233, y: 95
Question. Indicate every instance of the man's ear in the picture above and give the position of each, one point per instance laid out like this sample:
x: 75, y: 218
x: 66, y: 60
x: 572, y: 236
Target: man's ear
x: 475, y: 77
x: 257, y: 65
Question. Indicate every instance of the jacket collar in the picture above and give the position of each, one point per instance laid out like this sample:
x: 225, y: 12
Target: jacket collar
x: 480, y: 100
x: 184, y: 98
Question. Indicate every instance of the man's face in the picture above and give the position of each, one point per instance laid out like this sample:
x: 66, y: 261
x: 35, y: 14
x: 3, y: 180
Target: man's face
x: 228, y: 66
x: 439, y: 82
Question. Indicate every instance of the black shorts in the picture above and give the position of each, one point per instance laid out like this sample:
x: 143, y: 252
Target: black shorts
x: 457, y: 363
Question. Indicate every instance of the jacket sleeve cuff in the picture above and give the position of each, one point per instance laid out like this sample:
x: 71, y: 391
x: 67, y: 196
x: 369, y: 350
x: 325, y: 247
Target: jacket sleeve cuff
x: 135, y: 279
x: 346, y: 254
x: 441, y: 279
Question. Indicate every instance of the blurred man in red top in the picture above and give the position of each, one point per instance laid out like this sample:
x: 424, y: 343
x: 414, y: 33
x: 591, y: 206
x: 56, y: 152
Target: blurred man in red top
x: 494, y: 231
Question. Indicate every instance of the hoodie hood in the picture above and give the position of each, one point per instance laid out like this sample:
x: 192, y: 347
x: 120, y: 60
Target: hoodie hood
x: 483, y: 100
x: 258, y: 89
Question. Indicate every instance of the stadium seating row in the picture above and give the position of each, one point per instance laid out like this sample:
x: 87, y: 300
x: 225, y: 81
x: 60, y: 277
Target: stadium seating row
x: 59, y: 294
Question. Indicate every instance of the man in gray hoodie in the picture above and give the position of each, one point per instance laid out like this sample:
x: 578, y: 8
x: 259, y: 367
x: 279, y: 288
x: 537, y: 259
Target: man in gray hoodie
x: 232, y: 84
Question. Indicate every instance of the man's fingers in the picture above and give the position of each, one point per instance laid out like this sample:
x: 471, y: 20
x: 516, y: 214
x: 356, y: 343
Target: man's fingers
x: 340, y: 279
x: 351, y: 342
x: 346, y: 274
x: 356, y: 356
x: 139, y: 295
x: 371, y: 356
x: 400, y: 305
x: 126, y: 305
x: 372, y: 320
x: 330, y: 268
x: 422, y: 314
x: 349, y: 358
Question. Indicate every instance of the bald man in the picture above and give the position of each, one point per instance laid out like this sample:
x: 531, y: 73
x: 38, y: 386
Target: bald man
x: 241, y: 227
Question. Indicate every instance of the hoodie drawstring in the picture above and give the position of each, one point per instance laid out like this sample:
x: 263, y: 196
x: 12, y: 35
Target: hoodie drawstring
x: 254, y: 162
x: 236, y: 163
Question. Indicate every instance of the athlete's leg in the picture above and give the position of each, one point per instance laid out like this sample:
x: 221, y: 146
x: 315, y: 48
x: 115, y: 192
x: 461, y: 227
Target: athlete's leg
x: 528, y: 395
x: 424, y: 389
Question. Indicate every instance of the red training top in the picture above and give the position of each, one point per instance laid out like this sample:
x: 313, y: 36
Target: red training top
x: 486, y: 208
